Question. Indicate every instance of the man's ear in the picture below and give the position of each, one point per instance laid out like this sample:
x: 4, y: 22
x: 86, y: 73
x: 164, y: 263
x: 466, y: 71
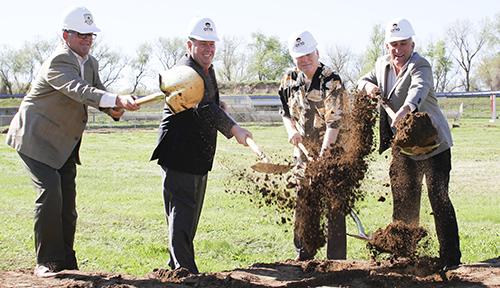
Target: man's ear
x: 65, y: 35
x: 189, y: 44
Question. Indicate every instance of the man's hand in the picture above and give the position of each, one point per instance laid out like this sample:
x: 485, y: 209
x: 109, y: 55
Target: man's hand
x: 400, y: 114
x: 126, y: 102
x: 295, y: 138
x: 372, y: 89
x: 116, y: 112
x: 240, y: 134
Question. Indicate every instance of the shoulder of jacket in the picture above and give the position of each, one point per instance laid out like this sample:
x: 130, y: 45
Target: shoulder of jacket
x: 289, y: 75
x: 418, y: 61
x: 329, y: 74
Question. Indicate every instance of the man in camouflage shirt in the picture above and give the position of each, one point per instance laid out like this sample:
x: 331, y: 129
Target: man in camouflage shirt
x: 311, y: 100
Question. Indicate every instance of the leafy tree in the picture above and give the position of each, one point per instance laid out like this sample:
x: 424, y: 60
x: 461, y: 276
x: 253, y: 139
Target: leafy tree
x: 19, y: 66
x: 375, y: 49
x: 489, y: 72
x: 269, y: 57
x: 441, y: 64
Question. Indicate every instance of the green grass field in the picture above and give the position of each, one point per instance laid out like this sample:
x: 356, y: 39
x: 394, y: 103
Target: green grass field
x: 122, y: 228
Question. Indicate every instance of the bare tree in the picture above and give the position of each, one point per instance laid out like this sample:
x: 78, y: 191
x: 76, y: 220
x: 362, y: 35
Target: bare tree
x: 228, y: 57
x: 344, y: 62
x: 467, y: 43
x: 140, y: 64
x: 169, y: 51
x: 111, y: 63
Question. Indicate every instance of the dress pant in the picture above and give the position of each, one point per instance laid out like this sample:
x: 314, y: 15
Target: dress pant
x: 183, y: 196
x: 406, y: 183
x: 55, y: 211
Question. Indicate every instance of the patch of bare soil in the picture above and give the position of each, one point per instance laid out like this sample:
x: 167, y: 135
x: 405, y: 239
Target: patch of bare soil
x: 345, y: 273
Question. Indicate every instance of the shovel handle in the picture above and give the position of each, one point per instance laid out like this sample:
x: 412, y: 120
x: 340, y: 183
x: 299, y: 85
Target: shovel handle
x: 388, y: 110
x: 150, y: 98
x: 255, y: 148
x: 304, y: 150
x: 386, y: 107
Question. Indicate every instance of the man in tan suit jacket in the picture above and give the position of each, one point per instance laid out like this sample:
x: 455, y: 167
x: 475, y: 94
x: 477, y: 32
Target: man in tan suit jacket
x: 47, y: 132
x: 405, y: 79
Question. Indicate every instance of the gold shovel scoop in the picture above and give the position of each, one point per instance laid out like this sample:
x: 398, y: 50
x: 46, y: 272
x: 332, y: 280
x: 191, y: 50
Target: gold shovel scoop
x: 410, y: 151
x: 265, y: 166
x: 270, y: 168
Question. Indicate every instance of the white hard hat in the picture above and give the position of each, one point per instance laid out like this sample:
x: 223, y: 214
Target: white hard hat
x: 301, y: 43
x: 202, y: 29
x: 398, y: 29
x: 79, y: 19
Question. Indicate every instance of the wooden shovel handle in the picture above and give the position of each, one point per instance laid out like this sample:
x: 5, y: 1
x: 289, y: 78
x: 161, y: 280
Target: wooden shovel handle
x: 386, y: 107
x: 255, y: 148
x: 388, y: 110
x: 150, y: 98
x: 304, y: 150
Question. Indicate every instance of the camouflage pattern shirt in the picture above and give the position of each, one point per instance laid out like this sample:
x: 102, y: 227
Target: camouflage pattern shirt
x: 313, y: 104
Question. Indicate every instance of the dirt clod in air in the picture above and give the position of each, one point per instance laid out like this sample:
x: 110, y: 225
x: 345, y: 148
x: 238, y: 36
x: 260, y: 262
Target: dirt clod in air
x: 398, y: 238
x: 415, y: 129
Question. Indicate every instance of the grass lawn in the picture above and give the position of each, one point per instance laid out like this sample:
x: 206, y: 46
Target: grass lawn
x: 122, y: 228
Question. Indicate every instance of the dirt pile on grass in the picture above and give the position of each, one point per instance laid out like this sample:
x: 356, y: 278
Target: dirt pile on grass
x: 420, y: 273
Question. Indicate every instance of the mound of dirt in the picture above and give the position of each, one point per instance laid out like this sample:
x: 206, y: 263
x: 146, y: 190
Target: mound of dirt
x: 403, y: 273
x: 415, y: 129
x: 398, y: 238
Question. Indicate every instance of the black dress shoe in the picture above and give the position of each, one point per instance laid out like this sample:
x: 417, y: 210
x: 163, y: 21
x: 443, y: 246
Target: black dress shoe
x: 48, y: 269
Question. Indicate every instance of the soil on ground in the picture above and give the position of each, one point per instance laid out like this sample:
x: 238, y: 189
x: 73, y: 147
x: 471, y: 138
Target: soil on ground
x: 330, y: 273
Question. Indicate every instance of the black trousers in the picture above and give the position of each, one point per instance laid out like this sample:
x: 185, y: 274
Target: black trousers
x: 406, y: 177
x: 55, y: 211
x: 183, y: 196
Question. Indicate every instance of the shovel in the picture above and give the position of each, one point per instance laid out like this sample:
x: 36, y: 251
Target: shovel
x: 265, y: 166
x: 361, y: 231
x: 270, y: 168
x: 410, y: 151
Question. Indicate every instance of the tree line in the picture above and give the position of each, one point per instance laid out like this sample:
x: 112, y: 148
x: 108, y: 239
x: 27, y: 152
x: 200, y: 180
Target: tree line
x: 466, y: 59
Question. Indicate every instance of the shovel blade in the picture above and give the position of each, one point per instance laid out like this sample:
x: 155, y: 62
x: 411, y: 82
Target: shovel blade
x: 270, y: 168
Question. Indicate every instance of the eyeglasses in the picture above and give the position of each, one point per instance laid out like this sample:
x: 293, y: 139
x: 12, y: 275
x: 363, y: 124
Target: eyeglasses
x: 82, y: 36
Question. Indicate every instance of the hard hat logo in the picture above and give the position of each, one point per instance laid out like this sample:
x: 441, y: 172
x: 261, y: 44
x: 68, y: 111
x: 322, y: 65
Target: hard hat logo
x: 395, y: 28
x: 88, y: 19
x: 299, y: 42
x: 208, y: 27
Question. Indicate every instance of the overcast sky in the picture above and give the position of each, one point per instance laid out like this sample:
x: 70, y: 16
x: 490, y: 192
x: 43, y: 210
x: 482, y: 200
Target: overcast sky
x: 126, y: 23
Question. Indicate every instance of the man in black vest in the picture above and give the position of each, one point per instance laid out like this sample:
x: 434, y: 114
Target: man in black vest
x: 186, y: 147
